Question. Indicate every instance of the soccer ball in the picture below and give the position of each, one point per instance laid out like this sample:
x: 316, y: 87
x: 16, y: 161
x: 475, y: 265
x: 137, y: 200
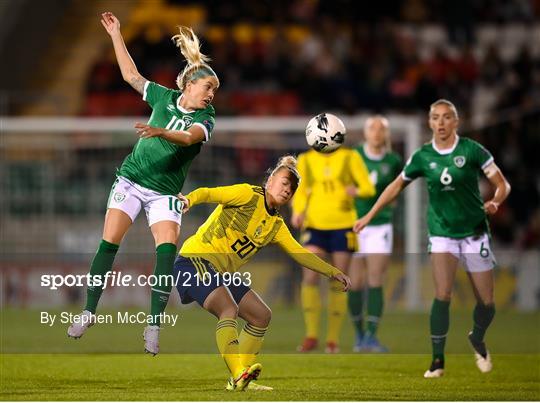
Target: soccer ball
x: 325, y: 133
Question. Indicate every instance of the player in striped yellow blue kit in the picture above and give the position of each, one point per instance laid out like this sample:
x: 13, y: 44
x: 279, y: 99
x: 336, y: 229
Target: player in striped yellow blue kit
x: 323, y: 208
x: 457, y: 225
x: 370, y: 262
x: 246, y: 220
x: 154, y: 173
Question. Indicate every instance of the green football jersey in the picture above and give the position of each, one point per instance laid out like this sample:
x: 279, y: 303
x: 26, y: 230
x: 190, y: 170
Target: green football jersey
x: 383, y: 170
x: 456, y: 209
x: 158, y: 164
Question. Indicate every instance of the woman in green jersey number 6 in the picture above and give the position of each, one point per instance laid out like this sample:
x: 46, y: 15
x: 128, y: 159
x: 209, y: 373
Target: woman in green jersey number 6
x: 457, y: 224
x: 153, y: 174
x: 369, y: 263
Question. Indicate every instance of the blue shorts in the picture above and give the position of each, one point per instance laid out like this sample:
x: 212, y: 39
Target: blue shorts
x: 336, y: 240
x: 196, y: 278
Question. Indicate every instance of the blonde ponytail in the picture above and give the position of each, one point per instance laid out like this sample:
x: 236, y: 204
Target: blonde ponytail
x: 190, y: 47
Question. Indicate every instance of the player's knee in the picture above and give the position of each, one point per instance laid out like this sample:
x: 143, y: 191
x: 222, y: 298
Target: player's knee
x: 169, y: 236
x: 265, y: 317
x: 261, y: 318
x: 487, y: 300
x: 114, y: 238
x: 311, y: 278
x: 229, y: 311
x: 443, y: 295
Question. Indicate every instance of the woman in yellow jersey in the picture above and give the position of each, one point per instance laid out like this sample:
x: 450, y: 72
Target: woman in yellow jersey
x: 206, y: 270
x: 323, y: 208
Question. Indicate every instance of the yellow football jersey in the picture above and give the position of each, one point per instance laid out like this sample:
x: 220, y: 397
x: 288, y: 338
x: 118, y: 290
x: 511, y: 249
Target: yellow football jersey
x: 322, y: 195
x: 239, y: 227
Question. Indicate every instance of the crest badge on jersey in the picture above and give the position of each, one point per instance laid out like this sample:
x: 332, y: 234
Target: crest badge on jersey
x: 119, y: 197
x: 188, y: 120
x: 258, y: 231
x: 432, y: 165
x: 459, y: 161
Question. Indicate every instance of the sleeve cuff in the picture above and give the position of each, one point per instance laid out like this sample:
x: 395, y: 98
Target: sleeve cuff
x: 206, y: 137
x: 489, y: 161
x: 145, y: 93
x: 405, y: 177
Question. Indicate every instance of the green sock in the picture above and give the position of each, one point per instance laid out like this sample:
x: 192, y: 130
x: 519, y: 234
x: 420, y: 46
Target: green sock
x: 374, y: 309
x: 355, y: 302
x: 101, y: 264
x: 482, y: 317
x: 165, y: 255
x: 439, y: 324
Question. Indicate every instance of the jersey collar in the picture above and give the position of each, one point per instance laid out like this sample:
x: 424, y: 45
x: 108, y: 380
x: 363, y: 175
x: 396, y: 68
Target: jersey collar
x: 180, y: 108
x: 373, y: 157
x: 269, y: 211
x: 448, y: 150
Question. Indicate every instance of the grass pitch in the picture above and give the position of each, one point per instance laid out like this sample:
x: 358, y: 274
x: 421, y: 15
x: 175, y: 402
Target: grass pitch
x: 41, y: 363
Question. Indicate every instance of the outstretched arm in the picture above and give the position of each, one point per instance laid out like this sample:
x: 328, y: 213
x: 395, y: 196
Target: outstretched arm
x: 129, y: 71
x: 309, y: 260
x: 182, y: 138
x: 234, y: 195
x: 387, y: 196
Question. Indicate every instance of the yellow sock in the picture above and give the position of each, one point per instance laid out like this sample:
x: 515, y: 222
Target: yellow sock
x: 227, y: 341
x: 311, y: 304
x: 337, y: 307
x: 251, y: 340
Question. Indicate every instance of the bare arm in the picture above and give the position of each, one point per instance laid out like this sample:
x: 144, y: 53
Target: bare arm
x: 129, y: 71
x: 195, y: 134
x: 502, y: 188
x: 387, y: 196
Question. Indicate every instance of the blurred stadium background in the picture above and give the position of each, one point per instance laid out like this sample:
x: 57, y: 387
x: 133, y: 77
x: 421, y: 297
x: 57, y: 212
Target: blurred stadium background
x: 67, y: 118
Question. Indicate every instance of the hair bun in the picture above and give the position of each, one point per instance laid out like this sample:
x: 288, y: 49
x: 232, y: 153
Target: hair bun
x: 288, y: 161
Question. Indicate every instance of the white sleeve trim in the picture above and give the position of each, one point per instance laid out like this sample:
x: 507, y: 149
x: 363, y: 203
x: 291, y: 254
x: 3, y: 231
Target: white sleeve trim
x: 204, y: 129
x: 146, y: 84
x: 490, y: 169
x: 488, y: 162
x: 405, y: 177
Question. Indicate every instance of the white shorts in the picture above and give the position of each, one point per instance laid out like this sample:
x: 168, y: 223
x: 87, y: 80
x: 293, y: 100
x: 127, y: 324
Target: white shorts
x: 130, y: 198
x: 375, y: 239
x: 473, y: 252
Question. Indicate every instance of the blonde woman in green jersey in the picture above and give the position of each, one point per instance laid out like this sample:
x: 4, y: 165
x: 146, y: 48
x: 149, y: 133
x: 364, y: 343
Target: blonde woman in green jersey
x: 153, y: 174
x: 457, y: 224
x: 369, y: 263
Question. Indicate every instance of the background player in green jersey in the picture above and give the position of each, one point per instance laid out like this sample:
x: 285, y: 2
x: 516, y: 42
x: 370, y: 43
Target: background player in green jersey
x: 154, y: 173
x: 370, y: 262
x: 457, y: 224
